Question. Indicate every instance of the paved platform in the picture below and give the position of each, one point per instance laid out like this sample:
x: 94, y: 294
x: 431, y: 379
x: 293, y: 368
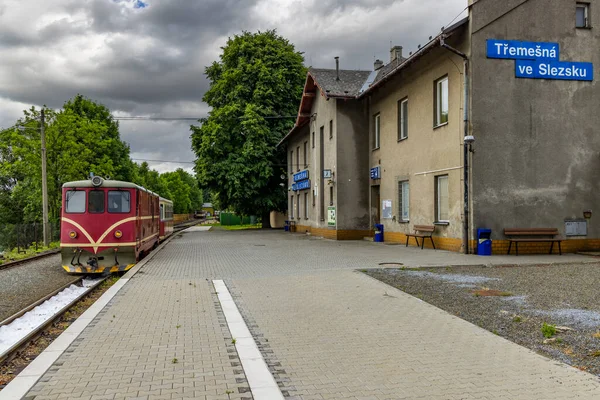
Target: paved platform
x: 324, y: 330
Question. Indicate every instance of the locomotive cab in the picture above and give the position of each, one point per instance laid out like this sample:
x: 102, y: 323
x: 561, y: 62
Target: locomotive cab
x: 106, y: 225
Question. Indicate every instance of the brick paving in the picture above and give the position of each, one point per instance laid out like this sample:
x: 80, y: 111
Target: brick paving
x: 325, y: 330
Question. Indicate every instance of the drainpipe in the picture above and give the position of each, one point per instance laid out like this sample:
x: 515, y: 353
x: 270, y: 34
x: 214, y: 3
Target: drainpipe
x: 467, y: 139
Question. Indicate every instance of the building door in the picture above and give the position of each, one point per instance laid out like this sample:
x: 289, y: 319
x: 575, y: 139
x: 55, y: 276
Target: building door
x: 375, y: 205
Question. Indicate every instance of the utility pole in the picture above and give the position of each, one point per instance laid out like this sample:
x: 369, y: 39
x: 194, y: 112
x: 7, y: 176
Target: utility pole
x: 44, y: 183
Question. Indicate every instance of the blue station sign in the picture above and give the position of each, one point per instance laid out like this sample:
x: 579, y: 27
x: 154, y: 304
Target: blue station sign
x: 303, y: 185
x: 564, y: 70
x: 376, y: 173
x: 539, y: 60
x: 300, y: 176
x: 516, y: 50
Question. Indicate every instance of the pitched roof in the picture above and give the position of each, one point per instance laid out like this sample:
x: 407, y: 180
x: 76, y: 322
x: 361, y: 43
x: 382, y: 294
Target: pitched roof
x: 391, y: 69
x: 348, y: 85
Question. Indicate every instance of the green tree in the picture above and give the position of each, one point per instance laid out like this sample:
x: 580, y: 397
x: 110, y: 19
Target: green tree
x: 81, y: 138
x: 258, y: 79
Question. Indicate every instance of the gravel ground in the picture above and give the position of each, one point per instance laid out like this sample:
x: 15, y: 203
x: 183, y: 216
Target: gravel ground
x: 24, y: 284
x: 561, y: 295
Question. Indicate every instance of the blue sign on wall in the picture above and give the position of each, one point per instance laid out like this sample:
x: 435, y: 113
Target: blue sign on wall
x: 301, y: 185
x: 376, y: 173
x: 300, y: 176
x: 565, y: 70
x: 516, y: 50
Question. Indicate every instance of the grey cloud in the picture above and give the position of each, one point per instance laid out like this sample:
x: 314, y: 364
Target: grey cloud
x: 151, y: 61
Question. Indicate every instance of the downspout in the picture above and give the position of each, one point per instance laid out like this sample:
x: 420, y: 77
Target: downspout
x: 466, y: 144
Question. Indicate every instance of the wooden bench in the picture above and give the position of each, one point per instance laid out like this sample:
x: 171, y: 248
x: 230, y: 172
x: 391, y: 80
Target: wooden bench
x: 532, y: 235
x: 422, y: 228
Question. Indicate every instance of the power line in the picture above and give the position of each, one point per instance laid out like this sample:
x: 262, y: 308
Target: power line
x: 142, y: 118
x: 164, y: 161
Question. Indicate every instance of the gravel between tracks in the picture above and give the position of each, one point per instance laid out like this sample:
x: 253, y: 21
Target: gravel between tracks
x: 563, y: 295
x: 20, y: 286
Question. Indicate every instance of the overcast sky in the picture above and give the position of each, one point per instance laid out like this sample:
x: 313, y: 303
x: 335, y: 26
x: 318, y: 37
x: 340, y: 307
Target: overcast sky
x: 148, y: 58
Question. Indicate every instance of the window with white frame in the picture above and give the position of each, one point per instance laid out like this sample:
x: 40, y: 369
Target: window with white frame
x: 582, y: 15
x: 403, y: 119
x: 298, y: 206
x: 305, y: 154
x: 441, y: 101
x: 404, y: 200
x: 441, y: 201
x: 292, y: 207
x: 376, y: 131
x: 298, y: 159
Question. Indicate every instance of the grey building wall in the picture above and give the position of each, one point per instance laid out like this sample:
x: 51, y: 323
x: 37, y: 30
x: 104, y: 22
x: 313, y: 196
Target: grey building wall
x: 537, y: 147
x: 352, y: 180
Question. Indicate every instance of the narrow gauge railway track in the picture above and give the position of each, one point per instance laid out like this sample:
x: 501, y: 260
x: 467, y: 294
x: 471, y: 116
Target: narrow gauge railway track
x: 12, y: 264
x: 10, y: 353
x: 33, y: 335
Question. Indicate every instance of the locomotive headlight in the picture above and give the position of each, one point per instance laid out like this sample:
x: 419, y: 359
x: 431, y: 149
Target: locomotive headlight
x: 72, y: 234
x: 118, y: 234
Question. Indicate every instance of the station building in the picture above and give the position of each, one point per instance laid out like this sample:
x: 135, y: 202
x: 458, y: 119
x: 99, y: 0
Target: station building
x: 509, y: 92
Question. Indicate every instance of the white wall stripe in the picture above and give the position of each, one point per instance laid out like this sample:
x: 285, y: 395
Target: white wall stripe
x: 261, y: 382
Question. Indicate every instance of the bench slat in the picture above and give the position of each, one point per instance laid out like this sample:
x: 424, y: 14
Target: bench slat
x: 424, y: 228
x: 530, y: 231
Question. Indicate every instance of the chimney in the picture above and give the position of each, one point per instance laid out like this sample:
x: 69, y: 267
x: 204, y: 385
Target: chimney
x: 395, y: 53
x: 378, y: 64
x: 337, y: 68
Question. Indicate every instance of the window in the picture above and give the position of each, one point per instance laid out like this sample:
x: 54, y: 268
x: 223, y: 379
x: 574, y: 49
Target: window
x: 377, y: 131
x: 291, y: 162
x: 298, y: 158
x: 330, y: 195
x: 441, y: 201
x: 162, y: 212
x: 305, y: 205
x: 441, y: 101
x: 313, y: 140
x: 582, y: 15
x: 331, y: 129
x: 96, y: 202
x: 402, y: 119
x: 305, y: 154
x: 292, y: 207
x: 119, y: 201
x: 403, y: 200
x: 298, y: 206
x: 75, y: 201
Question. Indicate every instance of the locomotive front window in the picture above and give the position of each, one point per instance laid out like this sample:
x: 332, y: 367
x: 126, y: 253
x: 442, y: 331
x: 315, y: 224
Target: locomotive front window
x: 75, y: 201
x: 119, y: 202
x: 96, y: 202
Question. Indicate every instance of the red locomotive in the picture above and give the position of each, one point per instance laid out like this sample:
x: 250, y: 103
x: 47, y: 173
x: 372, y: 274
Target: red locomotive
x: 108, y: 225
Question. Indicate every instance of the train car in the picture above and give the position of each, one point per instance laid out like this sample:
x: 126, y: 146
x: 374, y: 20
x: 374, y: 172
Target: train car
x: 166, y: 218
x: 106, y: 225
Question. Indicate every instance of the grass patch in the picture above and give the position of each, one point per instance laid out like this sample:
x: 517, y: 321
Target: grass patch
x: 241, y: 227
x: 14, y: 255
x: 596, y: 335
x: 548, y: 330
x: 517, y: 318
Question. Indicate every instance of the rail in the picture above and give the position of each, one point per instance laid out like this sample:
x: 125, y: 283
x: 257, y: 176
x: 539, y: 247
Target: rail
x: 11, y: 352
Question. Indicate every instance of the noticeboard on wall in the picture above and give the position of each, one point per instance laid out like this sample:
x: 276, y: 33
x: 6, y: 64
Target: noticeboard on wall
x: 386, y: 209
x: 331, y: 216
x: 576, y: 227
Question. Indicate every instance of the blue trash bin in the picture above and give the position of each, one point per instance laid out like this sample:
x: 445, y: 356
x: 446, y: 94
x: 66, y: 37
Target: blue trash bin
x: 379, y: 232
x: 484, y: 242
x: 286, y: 227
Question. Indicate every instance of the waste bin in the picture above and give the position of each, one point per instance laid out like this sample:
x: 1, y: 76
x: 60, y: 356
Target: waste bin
x: 379, y: 232
x: 484, y: 242
x: 286, y: 226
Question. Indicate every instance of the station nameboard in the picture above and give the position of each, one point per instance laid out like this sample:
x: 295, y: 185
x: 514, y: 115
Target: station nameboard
x: 300, y: 176
x: 516, y: 50
x: 564, y: 70
x: 305, y: 184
